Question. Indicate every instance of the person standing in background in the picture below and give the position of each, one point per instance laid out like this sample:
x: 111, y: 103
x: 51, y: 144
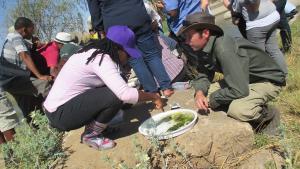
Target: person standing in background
x: 132, y: 13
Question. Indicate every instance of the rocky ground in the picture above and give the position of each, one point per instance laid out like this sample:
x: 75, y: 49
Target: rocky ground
x: 215, y: 141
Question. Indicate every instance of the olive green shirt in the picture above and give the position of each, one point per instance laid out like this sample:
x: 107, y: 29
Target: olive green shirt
x: 240, y: 62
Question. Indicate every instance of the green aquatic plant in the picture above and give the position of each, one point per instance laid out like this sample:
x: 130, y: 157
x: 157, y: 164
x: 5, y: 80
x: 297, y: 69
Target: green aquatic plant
x: 179, y: 119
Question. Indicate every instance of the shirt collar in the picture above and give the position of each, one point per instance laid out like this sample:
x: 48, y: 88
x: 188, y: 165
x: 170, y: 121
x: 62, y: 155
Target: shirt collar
x: 209, y: 46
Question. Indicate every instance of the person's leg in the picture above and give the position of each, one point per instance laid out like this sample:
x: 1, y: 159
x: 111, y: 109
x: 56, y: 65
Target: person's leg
x: 286, y: 38
x: 143, y: 74
x: 9, y: 134
x: 8, y: 118
x: 29, y: 87
x: 148, y: 44
x: 214, y: 87
x: 285, y: 30
x: 285, y: 33
x: 273, y: 50
x: 94, y: 109
x: 28, y: 104
x: 98, y: 104
x: 171, y: 43
x: 242, y: 27
x: 249, y: 109
x: 96, y: 15
x: 2, y: 138
x: 29, y: 94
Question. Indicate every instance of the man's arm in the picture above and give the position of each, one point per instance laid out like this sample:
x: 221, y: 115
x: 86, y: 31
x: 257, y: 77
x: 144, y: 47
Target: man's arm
x: 31, y: 66
x: 201, y: 85
x: 236, y: 75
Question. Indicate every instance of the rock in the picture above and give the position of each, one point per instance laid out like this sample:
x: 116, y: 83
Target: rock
x: 217, y: 138
x: 263, y: 159
x: 214, y: 139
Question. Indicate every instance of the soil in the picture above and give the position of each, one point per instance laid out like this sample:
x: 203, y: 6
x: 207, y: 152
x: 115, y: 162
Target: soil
x: 81, y: 156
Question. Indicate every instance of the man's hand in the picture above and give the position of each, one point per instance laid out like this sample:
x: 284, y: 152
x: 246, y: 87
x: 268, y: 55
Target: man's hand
x: 45, y: 77
x: 201, y: 101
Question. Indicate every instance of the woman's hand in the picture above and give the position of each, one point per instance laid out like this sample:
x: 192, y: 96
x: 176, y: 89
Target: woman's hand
x: 154, y: 97
x: 159, y: 104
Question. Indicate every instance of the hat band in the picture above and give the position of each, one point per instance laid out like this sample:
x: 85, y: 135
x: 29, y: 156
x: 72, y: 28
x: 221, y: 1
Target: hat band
x: 62, y: 41
x: 187, y: 23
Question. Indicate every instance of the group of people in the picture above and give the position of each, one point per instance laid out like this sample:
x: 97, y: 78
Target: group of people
x: 86, y: 86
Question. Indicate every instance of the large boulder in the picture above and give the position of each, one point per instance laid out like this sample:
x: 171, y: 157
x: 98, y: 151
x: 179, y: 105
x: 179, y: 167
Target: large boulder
x: 216, y: 138
x: 263, y: 159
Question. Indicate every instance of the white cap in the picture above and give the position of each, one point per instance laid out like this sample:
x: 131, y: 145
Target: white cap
x: 63, y: 37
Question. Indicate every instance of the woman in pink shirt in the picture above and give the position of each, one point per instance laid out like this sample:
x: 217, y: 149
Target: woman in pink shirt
x: 90, y: 91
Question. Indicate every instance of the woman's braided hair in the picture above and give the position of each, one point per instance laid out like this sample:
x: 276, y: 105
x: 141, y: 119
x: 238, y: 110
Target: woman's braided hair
x: 103, y: 46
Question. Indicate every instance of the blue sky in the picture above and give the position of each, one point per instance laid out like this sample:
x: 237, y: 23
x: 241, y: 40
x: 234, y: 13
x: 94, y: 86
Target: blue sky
x: 4, y: 27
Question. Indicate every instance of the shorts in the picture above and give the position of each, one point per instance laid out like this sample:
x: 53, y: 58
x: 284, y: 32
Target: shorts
x: 8, y: 116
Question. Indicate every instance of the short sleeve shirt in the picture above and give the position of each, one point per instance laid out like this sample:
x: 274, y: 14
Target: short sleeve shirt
x: 184, y: 7
x: 15, y: 44
x: 51, y: 53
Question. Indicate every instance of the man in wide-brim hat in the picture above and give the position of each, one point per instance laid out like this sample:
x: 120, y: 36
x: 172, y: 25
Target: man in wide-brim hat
x: 251, y: 76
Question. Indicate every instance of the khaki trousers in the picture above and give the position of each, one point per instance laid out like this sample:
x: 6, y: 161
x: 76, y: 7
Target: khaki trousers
x: 249, y: 108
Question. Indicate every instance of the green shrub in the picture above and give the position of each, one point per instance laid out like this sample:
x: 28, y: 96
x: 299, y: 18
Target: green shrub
x: 289, y: 103
x: 33, y: 147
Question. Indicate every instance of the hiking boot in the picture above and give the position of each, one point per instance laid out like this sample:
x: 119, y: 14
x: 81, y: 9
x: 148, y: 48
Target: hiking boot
x: 98, y: 142
x: 269, y: 121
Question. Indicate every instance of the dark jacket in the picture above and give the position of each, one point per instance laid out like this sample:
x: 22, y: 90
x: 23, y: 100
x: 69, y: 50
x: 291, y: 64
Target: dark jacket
x: 241, y: 63
x: 106, y: 13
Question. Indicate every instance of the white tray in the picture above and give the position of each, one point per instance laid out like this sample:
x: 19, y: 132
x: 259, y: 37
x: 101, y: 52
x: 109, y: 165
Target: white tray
x: 149, y: 129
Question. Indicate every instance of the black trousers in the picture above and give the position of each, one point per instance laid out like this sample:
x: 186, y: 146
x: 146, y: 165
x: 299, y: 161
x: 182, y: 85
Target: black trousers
x: 285, y: 30
x: 99, y: 104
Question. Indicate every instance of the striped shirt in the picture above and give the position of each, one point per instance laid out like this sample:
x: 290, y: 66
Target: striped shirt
x: 15, y: 44
x: 172, y: 64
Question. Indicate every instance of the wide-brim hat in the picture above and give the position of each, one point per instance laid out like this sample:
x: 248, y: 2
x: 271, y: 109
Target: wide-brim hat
x: 63, y: 37
x: 199, y: 21
x: 125, y: 37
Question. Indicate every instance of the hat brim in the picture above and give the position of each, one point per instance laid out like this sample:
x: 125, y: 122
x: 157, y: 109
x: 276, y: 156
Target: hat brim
x: 60, y: 41
x: 133, y: 52
x: 214, y: 29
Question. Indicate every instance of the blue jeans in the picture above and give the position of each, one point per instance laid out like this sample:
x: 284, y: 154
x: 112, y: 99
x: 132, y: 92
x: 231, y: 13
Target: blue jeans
x: 150, y: 65
x: 171, y: 43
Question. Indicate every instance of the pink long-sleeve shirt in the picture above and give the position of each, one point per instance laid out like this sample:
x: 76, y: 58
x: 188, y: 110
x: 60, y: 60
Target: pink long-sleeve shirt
x: 76, y: 77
